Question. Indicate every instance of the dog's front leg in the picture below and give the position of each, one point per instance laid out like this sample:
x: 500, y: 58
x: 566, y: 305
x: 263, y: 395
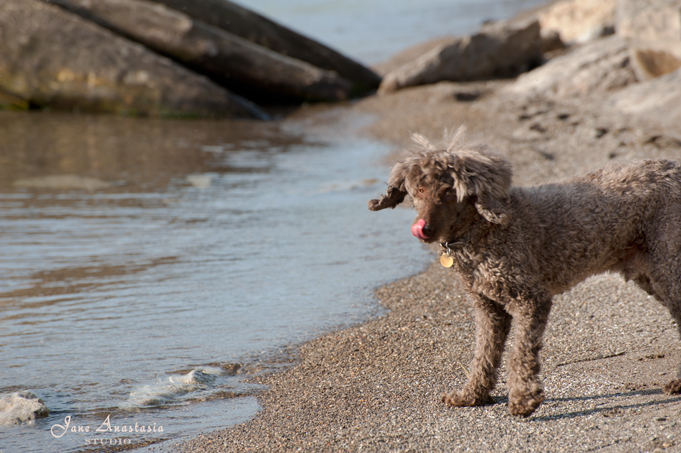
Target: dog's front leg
x: 525, y: 388
x: 492, y: 324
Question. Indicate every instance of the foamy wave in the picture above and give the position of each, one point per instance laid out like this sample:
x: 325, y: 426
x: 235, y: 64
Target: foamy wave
x: 170, y: 391
x: 21, y: 407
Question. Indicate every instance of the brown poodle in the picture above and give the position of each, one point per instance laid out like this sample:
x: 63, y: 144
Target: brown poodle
x: 515, y: 248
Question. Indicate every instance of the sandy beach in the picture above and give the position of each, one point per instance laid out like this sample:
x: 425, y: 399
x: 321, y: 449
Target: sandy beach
x: 608, y: 349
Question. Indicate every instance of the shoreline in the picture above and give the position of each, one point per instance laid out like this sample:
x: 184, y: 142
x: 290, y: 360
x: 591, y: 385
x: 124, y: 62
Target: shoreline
x: 376, y: 386
x: 608, y: 347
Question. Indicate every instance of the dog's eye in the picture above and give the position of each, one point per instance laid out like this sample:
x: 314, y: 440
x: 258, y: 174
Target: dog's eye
x: 422, y: 190
x: 449, y: 194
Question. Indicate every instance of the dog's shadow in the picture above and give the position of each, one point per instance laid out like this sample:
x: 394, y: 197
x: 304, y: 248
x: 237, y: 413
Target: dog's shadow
x: 609, y: 409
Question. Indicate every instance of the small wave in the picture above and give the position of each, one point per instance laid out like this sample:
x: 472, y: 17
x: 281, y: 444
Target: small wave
x: 170, y: 392
x: 21, y: 407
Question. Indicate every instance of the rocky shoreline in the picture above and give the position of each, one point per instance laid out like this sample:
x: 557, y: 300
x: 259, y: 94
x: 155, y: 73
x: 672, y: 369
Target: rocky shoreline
x: 609, y: 347
x: 163, y: 58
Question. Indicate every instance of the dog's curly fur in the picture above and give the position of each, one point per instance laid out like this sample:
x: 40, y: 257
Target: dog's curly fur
x: 515, y: 248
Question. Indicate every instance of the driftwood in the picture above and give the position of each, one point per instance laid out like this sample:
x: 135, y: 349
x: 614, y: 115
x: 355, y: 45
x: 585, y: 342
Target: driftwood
x: 260, y: 30
x: 51, y: 58
x: 240, y: 65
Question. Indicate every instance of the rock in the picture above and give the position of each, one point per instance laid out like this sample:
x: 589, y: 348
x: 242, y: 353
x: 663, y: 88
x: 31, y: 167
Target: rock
x: 21, y: 407
x: 9, y: 101
x: 579, y: 21
x: 655, y: 103
x: 409, y: 54
x: 51, y: 58
x: 598, y: 66
x: 500, y: 49
x: 260, y: 30
x: 653, y: 30
x: 551, y: 41
x: 240, y: 65
x: 650, y: 61
x: 649, y: 20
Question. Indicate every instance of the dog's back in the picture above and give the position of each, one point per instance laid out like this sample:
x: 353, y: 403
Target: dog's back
x: 602, y: 221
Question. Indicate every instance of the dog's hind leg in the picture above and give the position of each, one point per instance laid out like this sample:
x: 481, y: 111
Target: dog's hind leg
x: 669, y: 293
x: 492, y: 326
x: 662, y: 267
x: 673, y: 387
x: 660, y: 276
x: 525, y: 389
x: 673, y: 304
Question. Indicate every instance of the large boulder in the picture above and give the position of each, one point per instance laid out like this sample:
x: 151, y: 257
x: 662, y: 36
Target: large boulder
x: 500, y: 49
x: 596, y: 67
x: 21, y: 407
x: 260, y: 30
x: 649, y: 20
x: 655, y: 103
x: 653, y: 30
x: 579, y: 21
x: 240, y: 65
x: 51, y: 58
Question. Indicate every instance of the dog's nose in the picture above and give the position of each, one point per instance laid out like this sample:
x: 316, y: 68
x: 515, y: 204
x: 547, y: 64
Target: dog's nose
x: 427, y: 230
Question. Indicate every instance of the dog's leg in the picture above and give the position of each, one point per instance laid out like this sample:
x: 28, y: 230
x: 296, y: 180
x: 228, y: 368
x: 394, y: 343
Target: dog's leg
x: 492, y: 326
x: 673, y: 387
x: 662, y: 283
x: 525, y: 388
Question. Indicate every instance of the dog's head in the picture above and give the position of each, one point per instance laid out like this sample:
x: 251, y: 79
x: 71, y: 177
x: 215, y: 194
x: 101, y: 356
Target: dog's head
x: 451, y: 187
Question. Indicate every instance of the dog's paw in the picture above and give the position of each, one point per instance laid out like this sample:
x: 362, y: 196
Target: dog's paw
x: 673, y: 387
x: 524, y: 405
x: 460, y: 399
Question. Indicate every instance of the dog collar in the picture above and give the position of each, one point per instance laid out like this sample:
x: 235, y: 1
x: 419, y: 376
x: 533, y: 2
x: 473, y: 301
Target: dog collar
x: 446, y: 258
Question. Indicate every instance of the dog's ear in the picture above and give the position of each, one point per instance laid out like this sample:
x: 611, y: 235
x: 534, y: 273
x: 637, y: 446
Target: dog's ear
x: 396, y: 191
x: 392, y: 198
x: 486, y: 178
x: 493, y: 210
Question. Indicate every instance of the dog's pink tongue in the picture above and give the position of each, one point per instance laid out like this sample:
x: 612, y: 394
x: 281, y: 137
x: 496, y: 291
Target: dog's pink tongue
x: 417, y: 229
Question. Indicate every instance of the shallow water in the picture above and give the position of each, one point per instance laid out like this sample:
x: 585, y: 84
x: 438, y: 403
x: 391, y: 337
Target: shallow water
x: 148, y: 266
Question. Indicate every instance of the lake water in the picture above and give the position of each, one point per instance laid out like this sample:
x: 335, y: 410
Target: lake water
x: 373, y: 30
x: 150, y: 266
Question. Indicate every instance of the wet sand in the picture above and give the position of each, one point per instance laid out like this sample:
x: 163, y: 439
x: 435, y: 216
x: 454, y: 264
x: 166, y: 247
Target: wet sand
x: 609, y: 347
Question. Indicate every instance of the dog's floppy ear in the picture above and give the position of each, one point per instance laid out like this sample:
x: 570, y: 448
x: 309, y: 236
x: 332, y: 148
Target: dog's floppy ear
x: 486, y: 178
x: 396, y: 191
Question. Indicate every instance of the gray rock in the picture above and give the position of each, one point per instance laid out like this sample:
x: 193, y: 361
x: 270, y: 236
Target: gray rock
x: 498, y: 50
x: 596, y: 67
x: 21, y: 407
x: 653, y: 30
x: 260, y: 30
x: 51, y: 58
x: 655, y: 103
x: 240, y: 65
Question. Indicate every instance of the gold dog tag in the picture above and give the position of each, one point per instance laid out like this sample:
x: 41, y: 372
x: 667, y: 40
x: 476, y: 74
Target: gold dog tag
x: 446, y: 260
